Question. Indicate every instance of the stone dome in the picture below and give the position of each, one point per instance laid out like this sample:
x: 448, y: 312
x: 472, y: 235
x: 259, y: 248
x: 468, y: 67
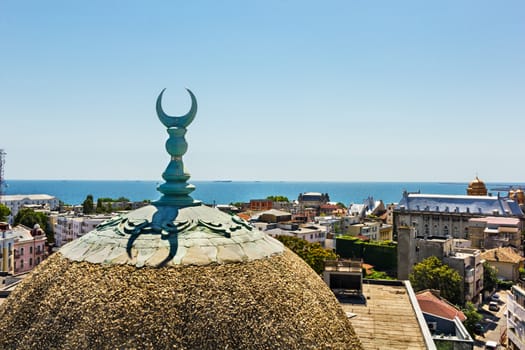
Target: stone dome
x: 174, y: 275
x: 477, y: 188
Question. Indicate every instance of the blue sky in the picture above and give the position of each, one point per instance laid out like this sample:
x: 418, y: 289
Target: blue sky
x: 287, y: 90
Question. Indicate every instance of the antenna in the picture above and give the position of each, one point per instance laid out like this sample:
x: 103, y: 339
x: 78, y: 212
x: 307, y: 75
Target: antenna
x: 2, y: 162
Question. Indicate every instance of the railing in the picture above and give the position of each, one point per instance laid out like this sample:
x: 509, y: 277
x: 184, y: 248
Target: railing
x: 516, y: 308
x: 343, y: 265
x: 514, y: 338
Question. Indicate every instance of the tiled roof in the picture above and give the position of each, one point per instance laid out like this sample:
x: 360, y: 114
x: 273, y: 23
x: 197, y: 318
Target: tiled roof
x: 506, y: 254
x: 496, y: 220
x: 483, y: 205
x: 432, y: 304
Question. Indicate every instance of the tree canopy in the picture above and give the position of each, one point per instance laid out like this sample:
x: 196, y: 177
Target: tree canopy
x: 473, y: 317
x: 490, y: 277
x: 4, y: 212
x: 88, y: 206
x: 278, y: 198
x: 28, y: 217
x: 312, y: 253
x: 431, y: 273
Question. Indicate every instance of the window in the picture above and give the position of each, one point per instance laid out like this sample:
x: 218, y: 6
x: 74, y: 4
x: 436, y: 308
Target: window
x: 22, y: 251
x: 21, y: 263
x: 30, y: 261
x: 426, y: 229
x: 30, y: 251
x: 445, y: 230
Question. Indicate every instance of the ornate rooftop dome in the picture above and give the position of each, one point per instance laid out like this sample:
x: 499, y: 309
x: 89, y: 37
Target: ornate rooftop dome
x: 477, y: 188
x: 175, y: 274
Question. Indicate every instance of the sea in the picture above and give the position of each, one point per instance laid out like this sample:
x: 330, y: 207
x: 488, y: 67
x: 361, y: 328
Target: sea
x: 225, y: 192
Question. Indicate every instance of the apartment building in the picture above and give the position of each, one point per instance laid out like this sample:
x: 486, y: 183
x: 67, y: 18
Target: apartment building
x: 15, y: 202
x: 68, y: 227
x: 516, y: 318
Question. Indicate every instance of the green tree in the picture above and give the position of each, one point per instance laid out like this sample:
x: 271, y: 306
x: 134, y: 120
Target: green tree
x: 341, y: 205
x: 4, y: 212
x: 87, y: 205
x: 378, y: 275
x: 278, y: 198
x: 473, y: 317
x: 100, y: 206
x: 490, y: 277
x: 312, y: 253
x: 431, y: 273
x: 28, y: 217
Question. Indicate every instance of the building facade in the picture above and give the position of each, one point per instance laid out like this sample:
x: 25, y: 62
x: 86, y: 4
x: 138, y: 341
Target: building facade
x: 516, y: 318
x: 495, y: 232
x: 16, y: 202
x: 435, y: 215
x: 412, y: 249
x: 29, y: 248
x: 68, y: 228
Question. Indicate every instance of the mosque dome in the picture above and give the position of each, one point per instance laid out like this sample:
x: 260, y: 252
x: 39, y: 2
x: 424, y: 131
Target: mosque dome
x: 477, y: 188
x: 520, y: 196
x: 175, y: 274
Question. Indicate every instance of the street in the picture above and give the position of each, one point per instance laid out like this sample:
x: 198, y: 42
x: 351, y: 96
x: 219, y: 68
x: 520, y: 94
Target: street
x: 494, y: 322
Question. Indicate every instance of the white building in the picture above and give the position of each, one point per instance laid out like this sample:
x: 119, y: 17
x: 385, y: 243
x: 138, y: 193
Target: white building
x: 309, y: 232
x: 68, y: 228
x: 516, y: 318
x: 15, y: 202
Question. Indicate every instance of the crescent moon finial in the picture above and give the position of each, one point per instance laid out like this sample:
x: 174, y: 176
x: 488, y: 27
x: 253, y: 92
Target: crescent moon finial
x: 177, y: 121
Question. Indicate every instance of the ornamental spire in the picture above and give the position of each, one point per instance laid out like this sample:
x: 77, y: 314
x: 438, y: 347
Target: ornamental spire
x: 176, y: 190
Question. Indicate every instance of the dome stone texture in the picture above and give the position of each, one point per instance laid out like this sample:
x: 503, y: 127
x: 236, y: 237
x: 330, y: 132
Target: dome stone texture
x: 271, y: 303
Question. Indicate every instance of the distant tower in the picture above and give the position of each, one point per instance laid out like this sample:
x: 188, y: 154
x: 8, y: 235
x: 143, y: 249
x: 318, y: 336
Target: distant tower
x: 2, y: 162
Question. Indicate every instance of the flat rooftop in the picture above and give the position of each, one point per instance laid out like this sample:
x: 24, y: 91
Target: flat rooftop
x: 384, y: 318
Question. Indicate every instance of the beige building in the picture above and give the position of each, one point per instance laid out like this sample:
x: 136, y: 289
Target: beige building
x: 506, y: 261
x: 413, y: 249
x: 494, y: 232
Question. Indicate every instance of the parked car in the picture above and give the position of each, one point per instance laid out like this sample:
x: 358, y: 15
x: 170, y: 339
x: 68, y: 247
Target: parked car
x: 495, y: 297
x: 479, y: 329
x: 491, y: 345
x: 493, y: 306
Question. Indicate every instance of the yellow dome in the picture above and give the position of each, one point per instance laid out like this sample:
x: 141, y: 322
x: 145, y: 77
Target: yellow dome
x: 477, y: 188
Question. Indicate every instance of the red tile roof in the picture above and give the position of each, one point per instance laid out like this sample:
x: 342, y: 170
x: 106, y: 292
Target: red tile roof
x: 432, y: 304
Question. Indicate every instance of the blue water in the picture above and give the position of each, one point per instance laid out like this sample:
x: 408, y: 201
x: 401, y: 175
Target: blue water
x: 75, y: 191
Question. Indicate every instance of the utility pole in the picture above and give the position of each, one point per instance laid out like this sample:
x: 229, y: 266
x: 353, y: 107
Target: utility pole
x: 2, y: 162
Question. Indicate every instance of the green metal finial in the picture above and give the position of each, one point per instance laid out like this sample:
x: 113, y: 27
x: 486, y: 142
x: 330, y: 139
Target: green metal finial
x: 176, y: 190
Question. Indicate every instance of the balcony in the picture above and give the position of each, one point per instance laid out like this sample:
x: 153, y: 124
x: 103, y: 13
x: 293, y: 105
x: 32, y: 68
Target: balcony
x: 515, y: 308
x: 514, y: 338
x: 17, y: 255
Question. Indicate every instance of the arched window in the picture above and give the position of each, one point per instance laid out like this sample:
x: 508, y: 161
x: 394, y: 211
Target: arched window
x: 30, y: 250
x: 22, y: 251
x: 426, y: 229
x: 22, y: 263
x: 445, y: 230
x: 30, y: 261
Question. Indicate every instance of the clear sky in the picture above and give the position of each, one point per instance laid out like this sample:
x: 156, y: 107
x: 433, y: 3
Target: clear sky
x: 287, y: 90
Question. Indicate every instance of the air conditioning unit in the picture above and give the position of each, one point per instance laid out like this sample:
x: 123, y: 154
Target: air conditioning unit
x: 432, y: 326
